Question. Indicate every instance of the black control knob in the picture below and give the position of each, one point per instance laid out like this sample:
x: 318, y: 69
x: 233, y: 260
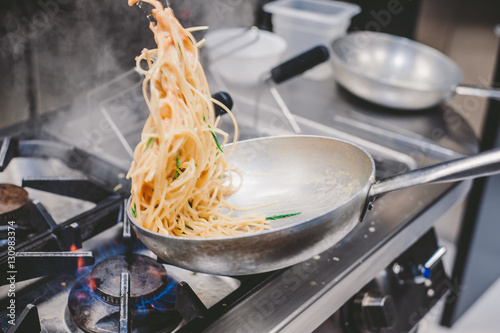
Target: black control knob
x: 374, y: 311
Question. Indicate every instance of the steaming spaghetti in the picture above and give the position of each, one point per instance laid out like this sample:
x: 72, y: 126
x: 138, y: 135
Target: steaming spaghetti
x: 180, y: 177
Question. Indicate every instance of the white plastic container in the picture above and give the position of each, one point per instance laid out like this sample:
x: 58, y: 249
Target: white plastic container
x: 243, y: 55
x: 307, y: 23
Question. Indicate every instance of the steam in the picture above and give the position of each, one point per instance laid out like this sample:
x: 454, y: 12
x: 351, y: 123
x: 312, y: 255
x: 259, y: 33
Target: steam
x: 80, y: 49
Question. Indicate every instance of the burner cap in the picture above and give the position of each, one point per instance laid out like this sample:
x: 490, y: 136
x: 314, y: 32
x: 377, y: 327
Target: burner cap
x: 147, y: 278
x: 13, y: 201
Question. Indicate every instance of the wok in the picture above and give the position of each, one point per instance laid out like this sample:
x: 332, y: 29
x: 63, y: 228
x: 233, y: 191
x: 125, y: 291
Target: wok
x: 397, y: 72
x: 331, y: 182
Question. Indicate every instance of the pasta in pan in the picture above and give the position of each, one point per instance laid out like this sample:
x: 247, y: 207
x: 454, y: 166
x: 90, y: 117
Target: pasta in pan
x: 180, y: 177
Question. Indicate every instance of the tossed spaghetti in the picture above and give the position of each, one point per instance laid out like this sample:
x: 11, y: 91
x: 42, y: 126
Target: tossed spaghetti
x: 180, y: 177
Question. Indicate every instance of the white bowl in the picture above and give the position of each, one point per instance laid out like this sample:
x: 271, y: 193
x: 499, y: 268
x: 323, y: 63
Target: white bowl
x: 243, y: 55
x: 307, y: 23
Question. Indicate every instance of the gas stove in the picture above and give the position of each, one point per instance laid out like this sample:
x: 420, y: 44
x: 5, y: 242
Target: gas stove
x: 75, y: 274
x: 75, y: 265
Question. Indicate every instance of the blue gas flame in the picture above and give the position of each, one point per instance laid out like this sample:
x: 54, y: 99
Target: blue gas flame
x: 163, y: 302
x: 85, y: 292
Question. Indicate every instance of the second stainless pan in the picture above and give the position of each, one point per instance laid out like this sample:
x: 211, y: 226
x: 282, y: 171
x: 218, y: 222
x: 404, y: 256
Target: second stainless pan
x: 397, y: 72
x: 331, y: 182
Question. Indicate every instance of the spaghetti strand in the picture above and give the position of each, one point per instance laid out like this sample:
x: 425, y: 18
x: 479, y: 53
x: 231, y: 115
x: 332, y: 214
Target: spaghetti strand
x: 180, y: 177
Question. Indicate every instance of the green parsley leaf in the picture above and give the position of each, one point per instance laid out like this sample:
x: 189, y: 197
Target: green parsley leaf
x: 215, y: 138
x: 134, y: 210
x: 177, y: 166
x: 275, y: 217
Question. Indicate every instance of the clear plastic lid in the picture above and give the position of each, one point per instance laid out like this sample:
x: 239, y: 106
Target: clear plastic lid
x: 327, y: 12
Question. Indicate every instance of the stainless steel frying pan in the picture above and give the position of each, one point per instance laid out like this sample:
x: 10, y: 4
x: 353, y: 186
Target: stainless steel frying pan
x: 330, y: 181
x: 397, y: 72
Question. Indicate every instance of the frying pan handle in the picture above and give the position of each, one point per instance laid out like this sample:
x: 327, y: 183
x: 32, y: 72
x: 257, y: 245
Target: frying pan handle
x: 484, y: 164
x: 493, y: 93
x: 225, y: 99
x: 300, y: 64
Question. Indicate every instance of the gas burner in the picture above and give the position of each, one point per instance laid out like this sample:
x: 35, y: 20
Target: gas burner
x: 13, y: 202
x: 93, y: 302
x: 147, y: 278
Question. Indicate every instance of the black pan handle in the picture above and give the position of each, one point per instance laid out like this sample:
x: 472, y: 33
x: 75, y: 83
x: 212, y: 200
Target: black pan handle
x: 225, y: 99
x: 300, y: 64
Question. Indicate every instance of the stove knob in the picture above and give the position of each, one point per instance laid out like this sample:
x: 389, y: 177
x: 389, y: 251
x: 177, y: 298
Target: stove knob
x: 417, y: 273
x: 379, y: 312
x: 376, y: 312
